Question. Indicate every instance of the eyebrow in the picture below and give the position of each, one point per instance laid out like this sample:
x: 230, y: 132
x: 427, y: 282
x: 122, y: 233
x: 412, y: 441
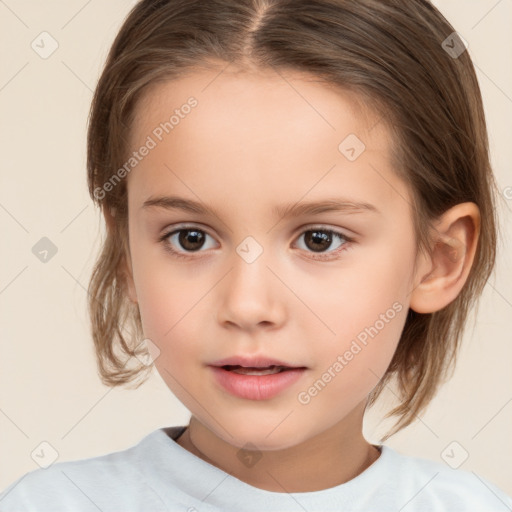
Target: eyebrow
x: 282, y: 211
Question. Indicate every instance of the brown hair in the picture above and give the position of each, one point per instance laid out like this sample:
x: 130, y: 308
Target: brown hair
x: 391, y: 54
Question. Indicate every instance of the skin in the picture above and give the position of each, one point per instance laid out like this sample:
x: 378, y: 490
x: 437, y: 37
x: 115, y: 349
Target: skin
x: 255, y: 141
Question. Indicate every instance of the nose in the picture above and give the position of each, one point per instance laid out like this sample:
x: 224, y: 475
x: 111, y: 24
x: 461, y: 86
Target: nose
x: 250, y: 296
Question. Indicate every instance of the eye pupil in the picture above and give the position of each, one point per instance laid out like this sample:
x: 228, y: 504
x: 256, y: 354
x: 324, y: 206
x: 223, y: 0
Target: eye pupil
x: 189, y: 237
x: 321, y: 239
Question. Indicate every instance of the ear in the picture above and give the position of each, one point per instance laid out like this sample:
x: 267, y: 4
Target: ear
x: 126, y: 270
x: 440, y: 278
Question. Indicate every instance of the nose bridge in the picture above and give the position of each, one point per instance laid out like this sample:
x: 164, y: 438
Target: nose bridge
x: 249, y: 294
x: 249, y: 275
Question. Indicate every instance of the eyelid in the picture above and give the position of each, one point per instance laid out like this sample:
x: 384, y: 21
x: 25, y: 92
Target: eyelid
x: 346, y: 233
x: 349, y: 234
x: 183, y: 226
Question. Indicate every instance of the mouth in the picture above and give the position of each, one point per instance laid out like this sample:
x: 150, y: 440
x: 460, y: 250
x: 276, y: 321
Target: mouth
x: 257, y: 363
x: 268, y: 370
x: 256, y: 377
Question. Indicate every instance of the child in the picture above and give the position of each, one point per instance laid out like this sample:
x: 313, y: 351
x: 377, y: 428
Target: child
x: 226, y: 140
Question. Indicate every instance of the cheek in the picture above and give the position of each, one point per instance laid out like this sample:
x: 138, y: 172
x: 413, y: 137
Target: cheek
x: 363, y: 347
x: 366, y: 310
x: 171, y: 310
x: 366, y: 284
x: 348, y: 368
x: 156, y: 294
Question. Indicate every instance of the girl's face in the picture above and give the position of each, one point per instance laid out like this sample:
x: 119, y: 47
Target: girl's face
x: 325, y: 288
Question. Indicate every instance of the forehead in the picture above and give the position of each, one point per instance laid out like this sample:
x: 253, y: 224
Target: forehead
x: 230, y: 98
x: 255, y: 129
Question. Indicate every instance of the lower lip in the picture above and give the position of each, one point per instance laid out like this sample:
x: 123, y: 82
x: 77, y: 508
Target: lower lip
x: 256, y: 387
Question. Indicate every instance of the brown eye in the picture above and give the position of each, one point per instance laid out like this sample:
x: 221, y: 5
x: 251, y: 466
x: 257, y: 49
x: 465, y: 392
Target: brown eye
x: 184, y: 241
x: 323, y: 242
x: 317, y: 240
x: 191, y: 239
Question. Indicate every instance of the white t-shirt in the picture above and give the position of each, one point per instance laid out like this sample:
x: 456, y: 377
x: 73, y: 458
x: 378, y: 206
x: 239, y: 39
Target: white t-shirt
x: 158, y: 474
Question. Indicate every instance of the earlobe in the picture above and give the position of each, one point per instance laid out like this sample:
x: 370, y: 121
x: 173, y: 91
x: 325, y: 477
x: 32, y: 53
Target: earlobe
x: 439, y: 279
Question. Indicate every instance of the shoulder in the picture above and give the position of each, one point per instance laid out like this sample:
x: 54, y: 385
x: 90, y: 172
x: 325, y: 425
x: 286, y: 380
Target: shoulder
x: 424, y: 484
x: 96, y: 483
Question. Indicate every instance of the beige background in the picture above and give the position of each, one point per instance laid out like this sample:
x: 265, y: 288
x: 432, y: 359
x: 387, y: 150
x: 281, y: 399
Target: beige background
x: 49, y: 390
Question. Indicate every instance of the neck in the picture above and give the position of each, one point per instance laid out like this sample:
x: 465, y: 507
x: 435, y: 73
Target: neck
x: 330, y: 458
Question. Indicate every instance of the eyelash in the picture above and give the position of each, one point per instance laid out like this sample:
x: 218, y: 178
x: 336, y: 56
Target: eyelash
x: 316, y: 256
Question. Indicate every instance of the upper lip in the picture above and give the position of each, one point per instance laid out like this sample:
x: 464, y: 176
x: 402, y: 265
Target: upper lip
x: 253, y: 362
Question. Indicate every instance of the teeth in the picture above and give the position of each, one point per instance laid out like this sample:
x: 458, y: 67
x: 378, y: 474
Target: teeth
x: 254, y: 371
